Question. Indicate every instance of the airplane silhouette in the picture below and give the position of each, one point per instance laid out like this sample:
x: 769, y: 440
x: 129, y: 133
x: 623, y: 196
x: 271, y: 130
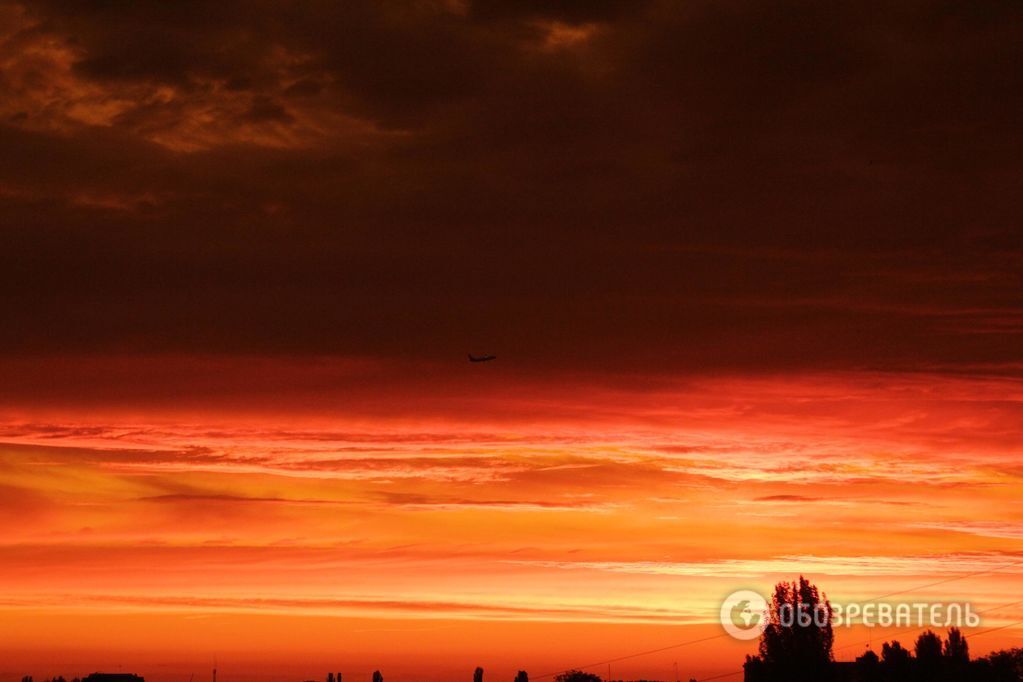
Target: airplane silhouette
x: 481, y: 358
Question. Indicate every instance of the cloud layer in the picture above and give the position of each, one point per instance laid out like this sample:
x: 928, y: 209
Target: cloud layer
x: 599, y: 185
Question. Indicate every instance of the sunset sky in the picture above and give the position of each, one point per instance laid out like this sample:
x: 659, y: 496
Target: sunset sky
x: 753, y: 273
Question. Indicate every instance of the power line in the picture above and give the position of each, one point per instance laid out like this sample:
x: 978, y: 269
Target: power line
x: 947, y: 580
x: 990, y: 630
x: 636, y: 655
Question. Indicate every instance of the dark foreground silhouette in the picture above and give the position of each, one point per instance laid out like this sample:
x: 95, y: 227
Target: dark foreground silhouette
x: 803, y: 653
x: 95, y: 677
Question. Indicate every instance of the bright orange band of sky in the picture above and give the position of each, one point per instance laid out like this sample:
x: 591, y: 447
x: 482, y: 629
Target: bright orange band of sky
x: 482, y: 516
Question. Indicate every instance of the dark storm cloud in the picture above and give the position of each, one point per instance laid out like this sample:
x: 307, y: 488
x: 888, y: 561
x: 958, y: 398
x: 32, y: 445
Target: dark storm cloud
x: 651, y: 185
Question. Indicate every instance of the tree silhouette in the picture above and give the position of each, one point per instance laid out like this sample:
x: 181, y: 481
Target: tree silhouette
x: 928, y: 654
x: 895, y: 661
x: 868, y: 667
x: 377, y: 677
x: 330, y: 677
x: 928, y: 647
x: 956, y: 656
x: 477, y: 675
x: 577, y: 676
x: 522, y: 676
x: 797, y: 642
x: 894, y: 654
x: 1002, y: 666
x: 956, y: 647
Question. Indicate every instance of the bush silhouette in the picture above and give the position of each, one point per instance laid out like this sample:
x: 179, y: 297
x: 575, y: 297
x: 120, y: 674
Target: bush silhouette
x: 577, y: 676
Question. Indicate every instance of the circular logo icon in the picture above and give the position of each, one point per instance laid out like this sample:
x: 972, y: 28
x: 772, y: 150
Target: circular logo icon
x: 744, y: 614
